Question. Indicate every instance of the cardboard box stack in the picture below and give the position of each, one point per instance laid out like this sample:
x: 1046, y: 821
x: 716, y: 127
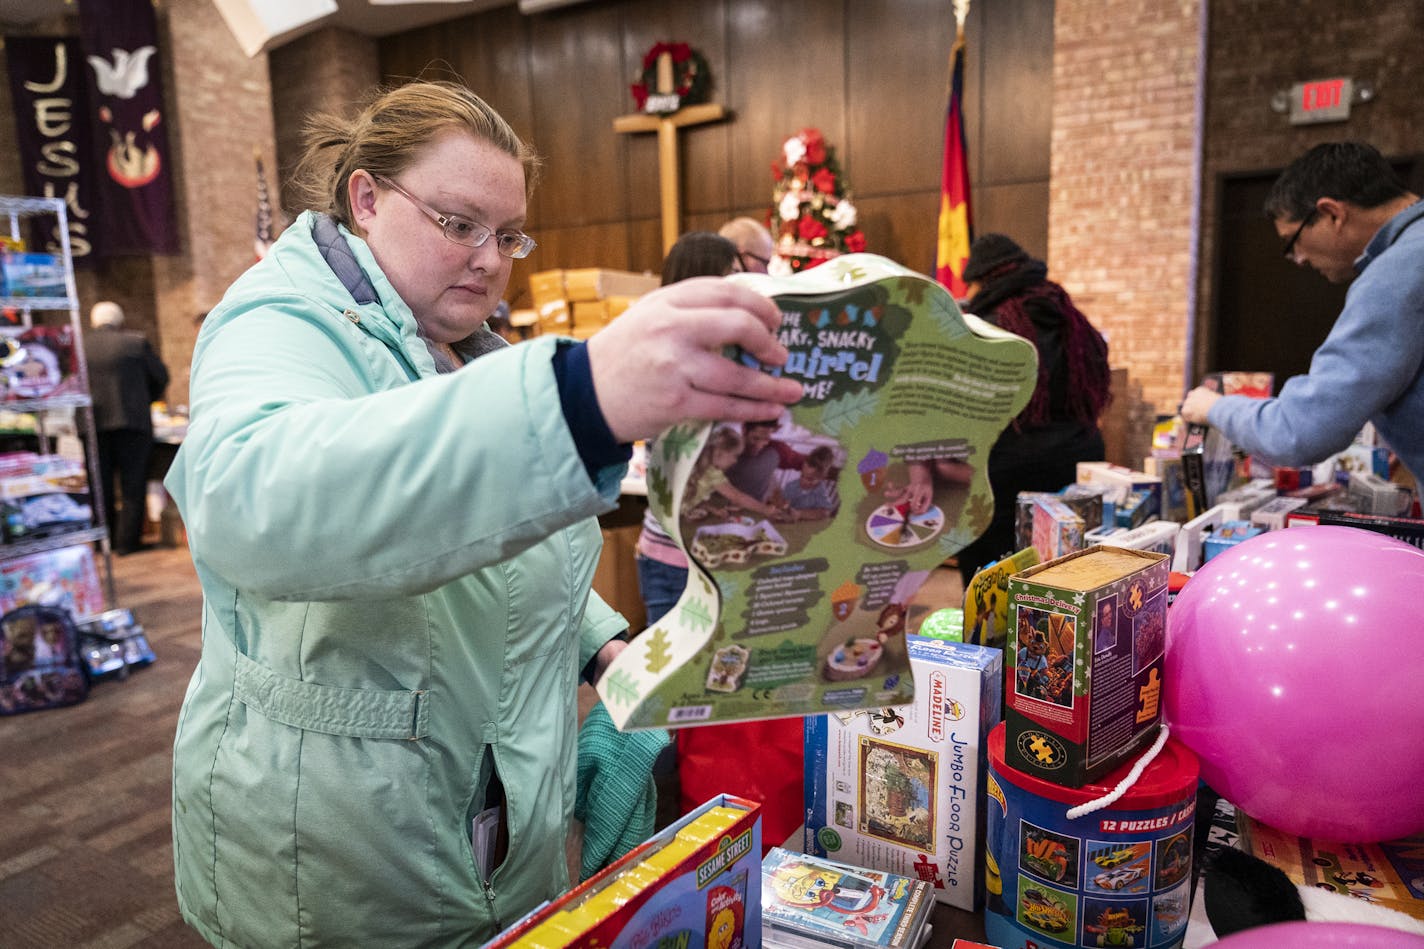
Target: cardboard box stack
x: 580, y: 302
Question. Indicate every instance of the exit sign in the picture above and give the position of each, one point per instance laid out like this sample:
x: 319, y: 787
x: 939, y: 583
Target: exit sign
x: 1321, y: 100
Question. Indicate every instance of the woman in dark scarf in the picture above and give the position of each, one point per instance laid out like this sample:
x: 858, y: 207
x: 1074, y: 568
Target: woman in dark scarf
x: 1041, y: 448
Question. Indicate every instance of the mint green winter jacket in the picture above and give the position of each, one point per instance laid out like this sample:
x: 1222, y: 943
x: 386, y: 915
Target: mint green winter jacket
x: 396, y: 568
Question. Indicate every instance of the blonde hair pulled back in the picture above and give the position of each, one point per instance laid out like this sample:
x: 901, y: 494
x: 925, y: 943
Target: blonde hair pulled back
x: 387, y: 136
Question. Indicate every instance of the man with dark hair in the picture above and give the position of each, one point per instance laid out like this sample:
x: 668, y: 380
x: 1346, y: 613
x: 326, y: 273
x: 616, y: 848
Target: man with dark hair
x: 1342, y: 209
x: 761, y: 456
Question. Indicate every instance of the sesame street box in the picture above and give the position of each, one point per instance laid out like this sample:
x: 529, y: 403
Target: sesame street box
x: 1083, y: 691
x: 695, y: 884
x: 899, y: 789
x: 808, y: 537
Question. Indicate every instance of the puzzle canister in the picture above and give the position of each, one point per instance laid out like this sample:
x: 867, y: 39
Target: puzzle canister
x: 1119, y: 876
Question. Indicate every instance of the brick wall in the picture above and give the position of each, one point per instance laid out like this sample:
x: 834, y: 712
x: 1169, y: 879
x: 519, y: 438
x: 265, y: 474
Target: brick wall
x: 329, y: 70
x: 1122, y: 187
x: 221, y: 112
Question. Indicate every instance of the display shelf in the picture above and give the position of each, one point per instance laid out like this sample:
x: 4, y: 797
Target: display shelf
x: 53, y: 542
x: 68, y: 400
x: 33, y: 303
x: 17, y: 209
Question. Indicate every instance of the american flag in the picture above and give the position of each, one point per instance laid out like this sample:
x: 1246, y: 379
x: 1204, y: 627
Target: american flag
x: 263, y: 241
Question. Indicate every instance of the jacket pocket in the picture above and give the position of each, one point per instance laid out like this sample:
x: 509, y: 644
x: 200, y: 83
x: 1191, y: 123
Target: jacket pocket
x: 332, y: 710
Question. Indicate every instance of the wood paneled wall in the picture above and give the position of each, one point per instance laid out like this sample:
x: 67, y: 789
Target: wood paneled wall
x: 871, y: 74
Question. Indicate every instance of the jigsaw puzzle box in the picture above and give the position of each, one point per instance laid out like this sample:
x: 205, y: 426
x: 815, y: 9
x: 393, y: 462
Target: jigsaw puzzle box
x: 1083, y: 690
x: 900, y: 789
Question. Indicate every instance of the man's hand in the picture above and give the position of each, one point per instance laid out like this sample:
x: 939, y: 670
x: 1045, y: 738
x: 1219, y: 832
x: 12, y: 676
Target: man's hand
x: 1197, y: 404
x: 661, y: 361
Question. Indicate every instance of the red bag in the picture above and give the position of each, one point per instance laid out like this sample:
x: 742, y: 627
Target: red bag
x: 760, y: 761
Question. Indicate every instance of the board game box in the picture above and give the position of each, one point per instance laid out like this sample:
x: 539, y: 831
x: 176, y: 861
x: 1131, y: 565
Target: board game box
x: 695, y: 884
x: 1083, y: 692
x: 807, y: 541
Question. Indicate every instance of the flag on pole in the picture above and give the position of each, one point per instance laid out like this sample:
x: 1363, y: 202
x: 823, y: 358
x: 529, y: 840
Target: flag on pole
x: 263, y: 241
x: 955, y: 220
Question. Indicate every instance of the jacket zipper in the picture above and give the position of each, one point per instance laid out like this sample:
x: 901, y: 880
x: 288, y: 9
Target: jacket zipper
x: 489, y: 898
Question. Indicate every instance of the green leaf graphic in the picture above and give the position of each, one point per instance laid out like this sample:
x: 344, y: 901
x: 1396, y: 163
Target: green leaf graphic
x: 678, y: 442
x: 980, y: 512
x: 696, y: 614
x: 658, y: 653
x: 847, y: 411
x: 620, y: 687
x: 946, y: 315
x: 659, y: 490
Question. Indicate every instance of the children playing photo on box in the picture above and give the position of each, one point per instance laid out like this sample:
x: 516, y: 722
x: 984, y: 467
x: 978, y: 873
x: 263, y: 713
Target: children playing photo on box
x: 810, y: 494
x: 709, y: 493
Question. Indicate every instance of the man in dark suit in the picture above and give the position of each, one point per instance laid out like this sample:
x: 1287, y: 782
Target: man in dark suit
x: 125, y: 375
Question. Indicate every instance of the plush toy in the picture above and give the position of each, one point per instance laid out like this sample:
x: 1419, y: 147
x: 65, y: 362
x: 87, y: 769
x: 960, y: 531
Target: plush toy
x: 1243, y: 891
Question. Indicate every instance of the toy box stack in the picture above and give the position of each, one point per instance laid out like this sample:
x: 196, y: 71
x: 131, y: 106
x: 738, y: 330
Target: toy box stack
x: 1088, y: 634
x: 899, y: 789
x: 695, y: 883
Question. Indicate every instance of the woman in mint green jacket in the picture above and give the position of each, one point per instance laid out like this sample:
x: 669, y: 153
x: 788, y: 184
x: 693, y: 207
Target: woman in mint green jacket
x: 392, y: 516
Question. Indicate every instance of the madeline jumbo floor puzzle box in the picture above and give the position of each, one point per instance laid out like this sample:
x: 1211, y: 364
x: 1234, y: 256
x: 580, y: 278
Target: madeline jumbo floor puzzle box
x: 694, y: 885
x: 807, y: 541
x: 899, y: 789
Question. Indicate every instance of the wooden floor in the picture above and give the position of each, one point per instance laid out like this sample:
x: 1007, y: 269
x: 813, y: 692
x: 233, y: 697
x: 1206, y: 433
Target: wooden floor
x: 86, y: 856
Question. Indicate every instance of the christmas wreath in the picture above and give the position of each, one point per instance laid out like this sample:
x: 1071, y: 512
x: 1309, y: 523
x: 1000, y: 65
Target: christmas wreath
x: 690, y: 79
x: 812, y: 215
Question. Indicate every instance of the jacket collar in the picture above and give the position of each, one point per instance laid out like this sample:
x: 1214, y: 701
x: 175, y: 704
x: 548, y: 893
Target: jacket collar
x: 1387, y: 235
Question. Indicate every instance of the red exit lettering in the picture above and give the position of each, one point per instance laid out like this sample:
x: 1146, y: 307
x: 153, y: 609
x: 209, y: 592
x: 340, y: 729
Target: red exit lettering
x: 1321, y: 95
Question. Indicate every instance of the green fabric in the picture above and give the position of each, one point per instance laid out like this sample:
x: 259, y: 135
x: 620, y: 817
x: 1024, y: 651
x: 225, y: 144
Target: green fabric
x: 396, y: 568
x: 617, y: 797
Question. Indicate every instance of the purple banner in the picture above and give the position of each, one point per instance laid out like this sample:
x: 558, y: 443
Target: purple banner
x: 54, y: 137
x: 125, y: 86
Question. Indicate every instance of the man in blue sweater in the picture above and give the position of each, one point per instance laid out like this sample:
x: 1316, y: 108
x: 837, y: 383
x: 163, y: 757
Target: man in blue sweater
x: 1343, y: 210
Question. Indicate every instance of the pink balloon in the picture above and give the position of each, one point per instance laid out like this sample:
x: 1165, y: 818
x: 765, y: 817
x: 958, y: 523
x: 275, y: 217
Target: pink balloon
x: 1303, y: 935
x: 1292, y: 669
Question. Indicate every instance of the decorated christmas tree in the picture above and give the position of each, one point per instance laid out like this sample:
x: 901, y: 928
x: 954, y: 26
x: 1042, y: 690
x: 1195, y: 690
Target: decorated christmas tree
x: 812, y: 216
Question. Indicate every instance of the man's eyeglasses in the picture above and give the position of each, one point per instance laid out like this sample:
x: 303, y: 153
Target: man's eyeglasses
x: 1289, y: 249
x: 459, y: 230
x: 744, y: 255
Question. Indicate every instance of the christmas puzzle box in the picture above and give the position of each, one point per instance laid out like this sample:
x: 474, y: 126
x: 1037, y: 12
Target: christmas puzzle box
x: 808, y: 539
x: 899, y: 789
x: 1083, y: 691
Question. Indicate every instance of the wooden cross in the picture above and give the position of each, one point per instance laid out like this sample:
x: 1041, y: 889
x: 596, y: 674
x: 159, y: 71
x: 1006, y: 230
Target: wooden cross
x: 666, y: 126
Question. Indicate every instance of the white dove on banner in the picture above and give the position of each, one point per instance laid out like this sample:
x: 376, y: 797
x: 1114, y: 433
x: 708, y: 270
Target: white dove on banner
x: 126, y: 76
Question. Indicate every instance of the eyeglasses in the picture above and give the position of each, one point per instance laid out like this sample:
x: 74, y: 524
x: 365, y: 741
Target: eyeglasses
x: 742, y: 256
x: 459, y: 230
x: 1289, y: 249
